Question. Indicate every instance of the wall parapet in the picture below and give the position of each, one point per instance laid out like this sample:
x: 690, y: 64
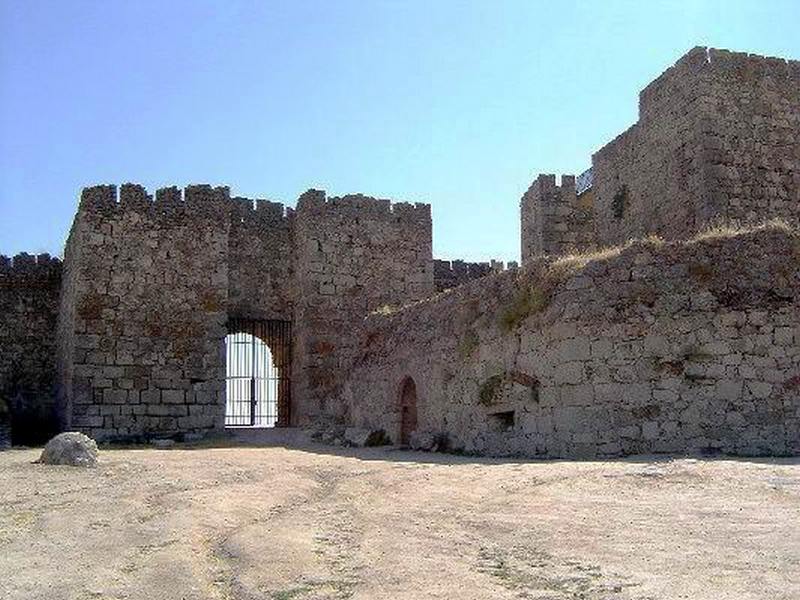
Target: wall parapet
x: 449, y: 274
x: 202, y: 200
x: 29, y: 266
x: 715, y: 140
x: 358, y: 205
x: 717, y: 63
x: 554, y: 219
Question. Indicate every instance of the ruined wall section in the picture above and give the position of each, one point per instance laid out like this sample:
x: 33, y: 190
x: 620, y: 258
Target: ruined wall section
x: 261, y: 260
x: 677, y: 347
x: 449, y: 274
x: 354, y: 255
x: 752, y: 136
x: 554, y: 219
x: 29, y: 300
x: 144, y: 312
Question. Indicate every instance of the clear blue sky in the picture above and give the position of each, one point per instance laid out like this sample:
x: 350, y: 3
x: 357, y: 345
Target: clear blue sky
x: 458, y: 104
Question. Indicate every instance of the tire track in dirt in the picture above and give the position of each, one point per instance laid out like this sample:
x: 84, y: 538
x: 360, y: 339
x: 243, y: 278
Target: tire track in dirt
x: 332, y: 524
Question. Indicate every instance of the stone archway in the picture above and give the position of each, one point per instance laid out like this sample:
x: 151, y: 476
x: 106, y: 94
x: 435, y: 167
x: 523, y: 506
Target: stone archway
x: 257, y: 381
x: 408, y: 410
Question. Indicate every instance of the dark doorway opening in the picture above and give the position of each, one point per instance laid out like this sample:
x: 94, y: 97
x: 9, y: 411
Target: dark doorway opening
x: 408, y: 410
x: 258, y: 373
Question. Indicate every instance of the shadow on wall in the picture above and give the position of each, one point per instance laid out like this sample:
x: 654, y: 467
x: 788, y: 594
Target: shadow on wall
x: 30, y: 422
x: 408, y: 410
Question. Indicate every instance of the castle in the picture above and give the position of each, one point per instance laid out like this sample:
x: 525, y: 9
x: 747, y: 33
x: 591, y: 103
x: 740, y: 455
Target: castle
x: 676, y: 341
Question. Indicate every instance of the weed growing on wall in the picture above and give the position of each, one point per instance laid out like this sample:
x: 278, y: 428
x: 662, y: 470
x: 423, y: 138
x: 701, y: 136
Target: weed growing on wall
x: 490, y: 389
x: 468, y: 344
x: 620, y: 202
x: 527, y: 302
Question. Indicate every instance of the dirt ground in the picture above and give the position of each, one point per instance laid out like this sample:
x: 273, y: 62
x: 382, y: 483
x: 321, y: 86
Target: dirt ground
x: 313, y: 523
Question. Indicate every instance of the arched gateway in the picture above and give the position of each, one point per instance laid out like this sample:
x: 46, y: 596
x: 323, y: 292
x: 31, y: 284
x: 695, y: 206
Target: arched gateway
x: 257, y: 381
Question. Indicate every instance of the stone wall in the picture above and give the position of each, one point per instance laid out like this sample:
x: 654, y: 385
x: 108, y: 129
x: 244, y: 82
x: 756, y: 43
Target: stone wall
x: 261, y: 260
x: 449, y: 274
x: 151, y: 287
x: 652, y: 347
x: 752, y: 136
x: 716, y: 140
x: 354, y: 255
x: 29, y: 290
x: 144, y: 312
x: 651, y: 179
x: 554, y: 219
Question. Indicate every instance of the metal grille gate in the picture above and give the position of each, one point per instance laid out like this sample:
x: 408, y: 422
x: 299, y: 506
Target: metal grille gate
x: 258, y: 380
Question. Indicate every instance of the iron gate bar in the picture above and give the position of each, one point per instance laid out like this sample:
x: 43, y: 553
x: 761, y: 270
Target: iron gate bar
x: 253, y: 378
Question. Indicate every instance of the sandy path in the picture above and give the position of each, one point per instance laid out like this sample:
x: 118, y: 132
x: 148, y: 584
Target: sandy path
x: 241, y: 523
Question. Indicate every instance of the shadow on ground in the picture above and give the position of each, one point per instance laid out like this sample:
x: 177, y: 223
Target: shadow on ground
x: 298, y: 439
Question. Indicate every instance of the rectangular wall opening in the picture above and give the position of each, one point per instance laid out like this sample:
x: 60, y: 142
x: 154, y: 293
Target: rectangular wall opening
x: 501, y: 421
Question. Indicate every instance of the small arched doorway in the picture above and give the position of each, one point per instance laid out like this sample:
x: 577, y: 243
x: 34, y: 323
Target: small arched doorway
x: 408, y: 410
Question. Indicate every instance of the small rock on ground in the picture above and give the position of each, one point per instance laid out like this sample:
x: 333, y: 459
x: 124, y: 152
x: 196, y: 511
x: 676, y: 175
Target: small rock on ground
x: 356, y: 436
x: 423, y: 440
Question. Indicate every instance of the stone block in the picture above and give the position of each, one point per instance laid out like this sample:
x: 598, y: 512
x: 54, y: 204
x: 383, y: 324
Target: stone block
x: 173, y: 396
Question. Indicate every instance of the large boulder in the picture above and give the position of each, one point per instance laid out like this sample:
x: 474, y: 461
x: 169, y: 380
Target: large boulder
x: 70, y: 448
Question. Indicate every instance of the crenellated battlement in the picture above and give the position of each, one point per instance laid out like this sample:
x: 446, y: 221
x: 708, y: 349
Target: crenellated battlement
x: 105, y: 201
x: 260, y: 211
x: 151, y: 277
x: 554, y: 219
x: 358, y: 205
x: 544, y: 188
x: 716, y: 139
x: 202, y: 200
x: 26, y: 266
x: 449, y: 274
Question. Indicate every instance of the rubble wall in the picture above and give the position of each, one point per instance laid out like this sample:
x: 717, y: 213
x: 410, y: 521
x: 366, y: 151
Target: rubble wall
x: 143, y: 313
x: 652, y: 347
x: 29, y: 300
x: 354, y: 254
x: 716, y: 141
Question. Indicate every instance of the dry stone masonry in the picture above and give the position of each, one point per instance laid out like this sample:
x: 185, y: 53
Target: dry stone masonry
x: 716, y: 140
x: 656, y: 347
x: 29, y: 292
x: 449, y: 274
x: 152, y: 284
x: 355, y: 254
x: 607, y: 341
